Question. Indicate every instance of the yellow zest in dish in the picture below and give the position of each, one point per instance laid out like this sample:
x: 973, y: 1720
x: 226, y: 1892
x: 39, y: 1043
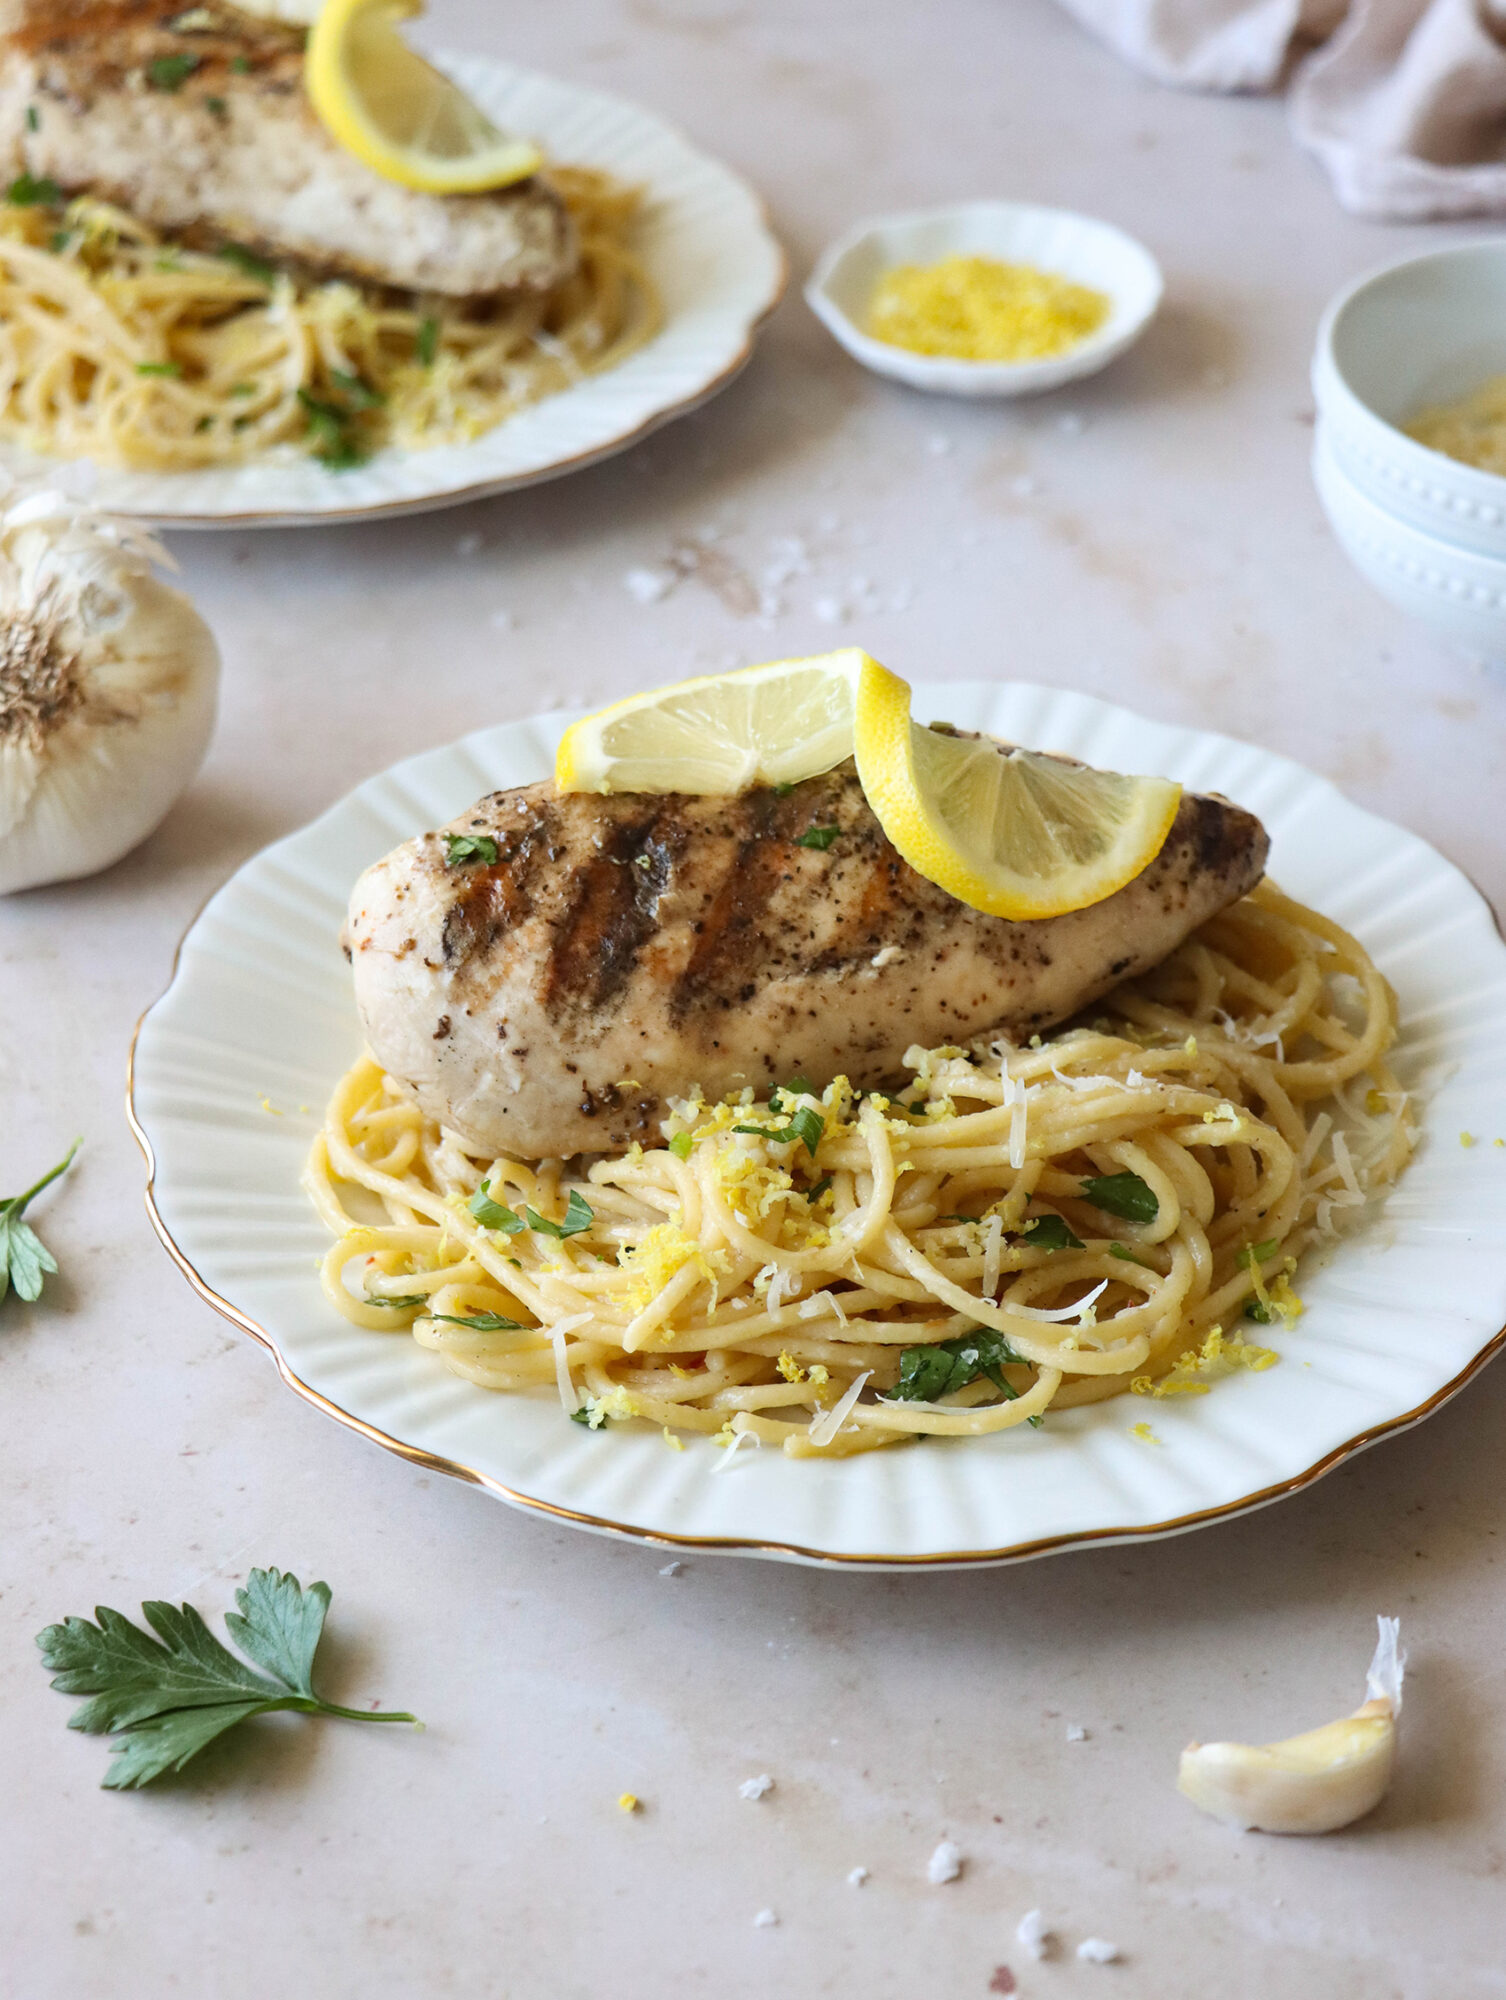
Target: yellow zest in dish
x: 979, y: 309
x: 1014, y: 833
x: 397, y: 113
x: 1472, y: 429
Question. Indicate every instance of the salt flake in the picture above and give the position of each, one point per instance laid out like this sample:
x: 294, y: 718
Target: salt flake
x: 1097, y: 1951
x: 755, y: 1788
x: 1032, y: 1933
x: 945, y: 1865
x: 765, y: 1920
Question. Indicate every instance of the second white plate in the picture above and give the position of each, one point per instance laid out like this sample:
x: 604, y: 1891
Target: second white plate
x: 708, y: 248
x: 259, y: 1014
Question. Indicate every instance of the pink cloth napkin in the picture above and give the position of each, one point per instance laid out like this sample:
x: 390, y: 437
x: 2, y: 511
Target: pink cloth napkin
x: 1403, y: 101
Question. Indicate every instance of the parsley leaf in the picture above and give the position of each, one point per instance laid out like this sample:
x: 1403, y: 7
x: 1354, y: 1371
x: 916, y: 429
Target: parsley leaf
x: 1050, y: 1232
x: 1260, y: 1312
x: 336, y: 446
x: 819, y: 837
x: 172, y: 72
x: 426, y: 343
x: 166, y: 1698
x: 680, y: 1145
x: 360, y: 395
x: 1127, y: 1256
x: 814, y: 1194
x: 927, y: 1374
x: 25, y: 1261
x: 482, y: 1322
x: 460, y: 849
x: 806, y: 1125
x: 34, y: 191
x: 159, y: 368
x: 494, y: 1214
x: 1122, y: 1194
x: 579, y: 1215
x: 247, y: 262
x: 398, y: 1305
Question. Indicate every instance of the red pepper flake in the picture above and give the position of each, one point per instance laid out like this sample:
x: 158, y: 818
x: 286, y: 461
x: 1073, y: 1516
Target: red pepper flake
x: 1002, y: 1981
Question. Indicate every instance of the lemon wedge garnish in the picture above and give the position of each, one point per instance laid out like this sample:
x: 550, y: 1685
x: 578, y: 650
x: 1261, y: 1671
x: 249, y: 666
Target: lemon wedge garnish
x: 1012, y: 832
x: 1313, y: 1783
x: 1009, y: 832
x: 720, y: 735
x: 397, y: 113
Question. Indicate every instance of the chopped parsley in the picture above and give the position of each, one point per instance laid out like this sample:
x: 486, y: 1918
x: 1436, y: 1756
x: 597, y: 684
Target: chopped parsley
x: 482, y: 1322
x: 360, y: 395
x: 33, y: 119
x: 1127, y: 1256
x: 1050, y: 1232
x: 494, y: 1214
x: 680, y: 1145
x: 806, y: 1125
x: 170, y: 73
x: 929, y: 1374
x: 1122, y: 1194
x: 426, y: 344
x: 247, y: 262
x: 819, y: 837
x: 335, y: 444
x: 579, y: 1215
x: 814, y: 1194
x: 461, y: 849
x: 34, y: 191
x: 240, y: 65
x: 398, y: 1305
x: 1254, y: 1254
x: 1261, y: 1313
x: 159, y: 368
x: 217, y: 107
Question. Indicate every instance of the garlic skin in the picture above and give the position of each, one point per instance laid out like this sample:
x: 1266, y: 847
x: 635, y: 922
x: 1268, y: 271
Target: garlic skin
x: 1314, y: 1783
x: 108, y: 683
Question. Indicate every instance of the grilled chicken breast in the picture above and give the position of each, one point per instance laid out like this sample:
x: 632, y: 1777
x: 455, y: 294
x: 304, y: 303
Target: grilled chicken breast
x: 195, y: 119
x: 623, y: 949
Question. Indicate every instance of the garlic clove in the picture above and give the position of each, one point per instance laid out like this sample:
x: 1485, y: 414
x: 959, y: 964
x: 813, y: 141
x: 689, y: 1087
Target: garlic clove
x: 1313, y: 1783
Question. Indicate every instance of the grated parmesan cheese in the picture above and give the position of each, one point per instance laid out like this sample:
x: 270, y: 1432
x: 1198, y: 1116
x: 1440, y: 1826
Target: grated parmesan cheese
x: 1097, y: 1951
x: 756, y: 1788
x: 825, y: 1428
x: 1032, y: 1933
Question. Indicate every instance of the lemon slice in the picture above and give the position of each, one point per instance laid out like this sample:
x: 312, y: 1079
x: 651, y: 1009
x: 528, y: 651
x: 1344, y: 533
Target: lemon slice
x: 396, y: 112
x: 1011, y: 832
x: 768, y: 725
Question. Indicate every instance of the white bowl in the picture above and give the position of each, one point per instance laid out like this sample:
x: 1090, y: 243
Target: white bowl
x: 1078, y: 247
x: 1426, y: 330
x: 1458, y: 591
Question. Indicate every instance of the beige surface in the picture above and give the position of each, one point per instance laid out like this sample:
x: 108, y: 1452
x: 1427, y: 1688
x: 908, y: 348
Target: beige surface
x: 1168, y: 553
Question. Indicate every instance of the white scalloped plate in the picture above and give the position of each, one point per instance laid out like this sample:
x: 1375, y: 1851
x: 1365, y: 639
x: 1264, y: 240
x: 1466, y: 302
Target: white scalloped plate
x: 708, y: 247
x: 1398, y: 1319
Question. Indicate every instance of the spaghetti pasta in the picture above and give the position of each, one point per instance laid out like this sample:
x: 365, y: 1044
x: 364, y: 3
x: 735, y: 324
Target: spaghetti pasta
x: 120, y: 345
x: 1017, y: 1230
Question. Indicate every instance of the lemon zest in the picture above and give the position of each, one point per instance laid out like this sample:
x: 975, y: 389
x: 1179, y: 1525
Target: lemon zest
x: 982, y: 309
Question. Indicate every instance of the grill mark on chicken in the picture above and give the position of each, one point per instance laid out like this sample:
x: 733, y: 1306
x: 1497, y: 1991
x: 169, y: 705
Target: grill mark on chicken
x: 615, y: 910
x: 680, y: 941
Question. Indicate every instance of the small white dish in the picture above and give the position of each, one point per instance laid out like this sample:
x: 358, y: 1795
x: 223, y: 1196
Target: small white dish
x: 259, y: 1019
x: 706, y: 243
x: 1426, y: 330
x: 1079, y: 247
x: 1458, y: 591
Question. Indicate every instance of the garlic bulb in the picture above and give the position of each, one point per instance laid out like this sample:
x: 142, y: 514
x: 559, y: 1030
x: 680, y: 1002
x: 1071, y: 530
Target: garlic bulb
x: 1313, y: 1783
x: 108, y: 678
